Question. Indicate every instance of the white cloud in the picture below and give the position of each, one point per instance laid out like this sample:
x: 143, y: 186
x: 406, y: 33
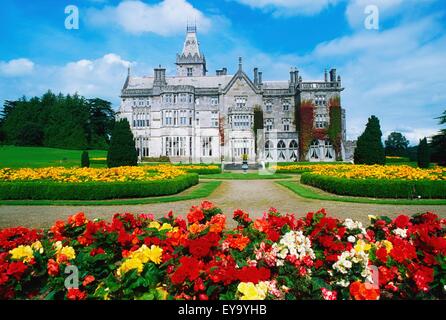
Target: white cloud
x: 16, y: 67
x: 291, y: 7
x: 165, y: 18
x: 102, y: 77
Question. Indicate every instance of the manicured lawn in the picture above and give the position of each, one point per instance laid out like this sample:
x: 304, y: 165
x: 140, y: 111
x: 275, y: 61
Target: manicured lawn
x: 306, y: 192
x: 203, y: 190
x: 242, y: 176
x: 38, y: 157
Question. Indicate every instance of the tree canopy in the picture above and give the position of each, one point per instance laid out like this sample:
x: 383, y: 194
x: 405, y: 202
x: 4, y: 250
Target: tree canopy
x: 396, y: 145
x: 122, y: 151
x: 438, y: 143
x: 61, y: 121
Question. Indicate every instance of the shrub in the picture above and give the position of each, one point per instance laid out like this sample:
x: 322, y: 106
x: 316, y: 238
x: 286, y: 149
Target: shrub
x: 423, y: 154
x: 122, y: 151
x: 49, y: 190
x: 369, y: 148
x: 85, y: 160
x: 156, y: 159
x: 377, y: 188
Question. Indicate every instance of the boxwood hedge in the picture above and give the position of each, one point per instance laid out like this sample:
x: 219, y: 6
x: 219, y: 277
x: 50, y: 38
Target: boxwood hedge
x: 49, y: 190
x: 375, y: 188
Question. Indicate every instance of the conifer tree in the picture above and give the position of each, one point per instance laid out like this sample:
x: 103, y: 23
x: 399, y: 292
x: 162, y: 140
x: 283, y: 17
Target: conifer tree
x: 122, y: 151
x: 85, y: 160
x: 369, y: 147
x: 423, y: 154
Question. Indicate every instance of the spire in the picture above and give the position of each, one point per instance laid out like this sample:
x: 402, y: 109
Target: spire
x: 191, y: 62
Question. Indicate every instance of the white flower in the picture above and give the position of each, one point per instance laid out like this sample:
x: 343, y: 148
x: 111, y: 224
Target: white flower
x: 343, y: 283
x: 351, y: 239
x: 347, y: 264
x: 400, y: 232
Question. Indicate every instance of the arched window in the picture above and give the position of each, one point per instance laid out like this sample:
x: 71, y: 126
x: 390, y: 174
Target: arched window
x: 293, y: 150
x: 328, y: 150
x: 314, y: 150
x: 281, y: 149
x: 269, y: 150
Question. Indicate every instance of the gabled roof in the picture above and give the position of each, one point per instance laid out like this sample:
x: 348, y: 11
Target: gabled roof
x: 240, y: 75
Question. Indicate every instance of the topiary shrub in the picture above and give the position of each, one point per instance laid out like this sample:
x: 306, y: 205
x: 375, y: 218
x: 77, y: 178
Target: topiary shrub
x: 85, y: 160
x: 369, y: 147
x: 122, y: 151
x: 423, y: 154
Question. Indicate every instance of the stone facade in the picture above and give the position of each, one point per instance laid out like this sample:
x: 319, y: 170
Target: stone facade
x: 196, y: 117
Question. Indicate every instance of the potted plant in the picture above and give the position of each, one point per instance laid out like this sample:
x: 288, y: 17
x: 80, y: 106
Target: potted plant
x: 245, y: 163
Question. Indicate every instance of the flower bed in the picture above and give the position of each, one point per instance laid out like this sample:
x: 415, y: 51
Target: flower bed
x: 378, y: 172
x: 275, y: 257
x: 378, y: 188
x: 93, y: 184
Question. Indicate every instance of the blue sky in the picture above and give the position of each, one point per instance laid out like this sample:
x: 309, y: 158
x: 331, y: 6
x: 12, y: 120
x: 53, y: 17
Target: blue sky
x: 396, y: 72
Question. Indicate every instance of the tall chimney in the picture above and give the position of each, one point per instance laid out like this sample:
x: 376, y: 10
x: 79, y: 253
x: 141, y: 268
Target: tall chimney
x: 296, y: 75
x: 292, y: 76
x: 256, y: 76
x: 160, y: 76
x: 326, y: 75
x: 260, y: 78
x: 333, y: 75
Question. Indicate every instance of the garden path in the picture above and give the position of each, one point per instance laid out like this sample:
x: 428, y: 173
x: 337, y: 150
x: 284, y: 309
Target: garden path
x: 254, y: 196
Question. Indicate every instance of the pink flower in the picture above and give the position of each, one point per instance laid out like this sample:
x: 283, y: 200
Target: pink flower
x: 329, y: 295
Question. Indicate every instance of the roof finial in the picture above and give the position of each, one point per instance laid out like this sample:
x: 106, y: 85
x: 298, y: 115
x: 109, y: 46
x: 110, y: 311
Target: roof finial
x: 128, y: 71
x: 240, y: 64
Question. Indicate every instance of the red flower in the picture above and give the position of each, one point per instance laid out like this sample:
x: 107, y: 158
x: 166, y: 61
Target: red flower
x: 16, y: 269
x: 96, y: 251
x: 242, y: 216
x: 76, y: 294
x: 254, y: 275
x: 77, y: 220
x: 402, y: 221
x: 381, y: 254
x: 237, y: 241
x: 329, y: 295
x: 53, y: 267
x: 189, y: 269
x: 195, y: 215
x: 423, y: 276
x: 88, y: 279
x: 363, y: 291
x: 207, y: 205
x: 201, y: 247
x: 402, y: 250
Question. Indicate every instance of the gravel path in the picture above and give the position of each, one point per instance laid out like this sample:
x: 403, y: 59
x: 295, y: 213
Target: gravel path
x: 253, y: 196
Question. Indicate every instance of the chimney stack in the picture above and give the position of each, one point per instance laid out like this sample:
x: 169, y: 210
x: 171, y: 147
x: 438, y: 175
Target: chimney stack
x: 296, y: 75
x: 292, y: 76
x: 326, y: 75
x: 160, y: 77
x: 260, y: 78
x: 256, y: 76
x: 333, y: 75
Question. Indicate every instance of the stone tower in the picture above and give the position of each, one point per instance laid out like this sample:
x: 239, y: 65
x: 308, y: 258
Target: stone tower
x: 191, y: 62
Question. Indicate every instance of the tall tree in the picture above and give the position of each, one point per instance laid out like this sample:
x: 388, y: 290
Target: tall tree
x: 423, y: 154
x: 438, y: 143
x: 396, y: 145
x: 369, y: 147
x: 122, y: 151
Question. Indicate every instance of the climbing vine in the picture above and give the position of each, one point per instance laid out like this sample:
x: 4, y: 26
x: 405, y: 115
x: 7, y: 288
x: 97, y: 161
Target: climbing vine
x: 306, y: 122
x: 335, y: 127
x: 258, y: 124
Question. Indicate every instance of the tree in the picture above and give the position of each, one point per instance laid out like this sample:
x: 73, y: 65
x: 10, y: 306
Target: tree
x: 258, y: 125
x: 85, y: 160
x: 438, y: 144
x: 396, y: 145
x: 30, y: 134
x: 423, y: 154
x: 369, y: 147
x: 122, y: 151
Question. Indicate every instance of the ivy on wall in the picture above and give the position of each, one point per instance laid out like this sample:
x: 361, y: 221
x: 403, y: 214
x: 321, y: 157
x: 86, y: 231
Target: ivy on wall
x: 335, y: 127
x: 305, y: 125
x: 258, y: 124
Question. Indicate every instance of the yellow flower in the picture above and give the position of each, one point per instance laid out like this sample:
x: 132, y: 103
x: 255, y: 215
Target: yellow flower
x: 155, y: 254
x: 37, y: 246
x: 388, y: 245
x: 130, y: 264
x: 250, y: 291
x: 361, y: 245
x: 166, y: 226
x: 154, y: 225
x: 67, y: 252
x: 23, y: 253
x: 372, y: 217
x: 163, y: 293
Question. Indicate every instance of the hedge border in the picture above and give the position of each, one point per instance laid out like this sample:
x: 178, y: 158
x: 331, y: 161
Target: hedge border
x: 48, y: 190
x: 375, y: 188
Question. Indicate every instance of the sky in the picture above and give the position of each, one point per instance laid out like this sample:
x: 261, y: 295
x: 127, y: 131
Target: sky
x: 392, y: 59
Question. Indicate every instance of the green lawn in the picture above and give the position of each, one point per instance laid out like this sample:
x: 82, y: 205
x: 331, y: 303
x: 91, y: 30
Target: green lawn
x: 37, y: 157
x: 202, y: 190
x: 306, y: 192
x: 242, y: 176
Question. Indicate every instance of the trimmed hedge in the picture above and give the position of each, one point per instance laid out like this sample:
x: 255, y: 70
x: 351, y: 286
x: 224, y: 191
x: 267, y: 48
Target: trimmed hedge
x: 48, y: 190
x: 374, y: 188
